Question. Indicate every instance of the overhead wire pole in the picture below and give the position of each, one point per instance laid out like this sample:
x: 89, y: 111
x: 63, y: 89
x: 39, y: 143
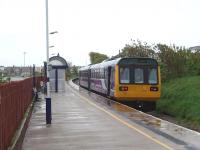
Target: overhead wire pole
x: 24, y: 58
x: 48, y: 97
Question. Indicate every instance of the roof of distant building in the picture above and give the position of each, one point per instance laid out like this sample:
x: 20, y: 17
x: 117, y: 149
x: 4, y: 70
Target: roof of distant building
x: 195, y: 48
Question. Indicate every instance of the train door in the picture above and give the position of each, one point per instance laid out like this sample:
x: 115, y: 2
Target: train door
x: 112, y: 81
x: 89, y: 79
x: 108, y: 80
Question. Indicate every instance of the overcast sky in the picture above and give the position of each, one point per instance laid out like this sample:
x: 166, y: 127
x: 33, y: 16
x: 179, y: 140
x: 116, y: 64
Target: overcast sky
x: 83, y: 26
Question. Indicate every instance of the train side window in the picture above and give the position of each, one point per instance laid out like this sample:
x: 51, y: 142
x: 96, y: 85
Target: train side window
x: 139, y: 75
x: 99, y: 74
x: 104, y: 73
x: 152, y: 76
x: 92, y: 73
x: 124, y: 75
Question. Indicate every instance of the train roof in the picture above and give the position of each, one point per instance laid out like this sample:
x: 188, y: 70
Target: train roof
x: 102, y: 64
x: 123, y: 61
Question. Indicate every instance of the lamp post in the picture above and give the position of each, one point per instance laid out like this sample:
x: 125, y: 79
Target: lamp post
x: 48, y: 97
x: 51, y: 46
x: 24, y: 58
x: 47, y: 47
x: 53, y: 32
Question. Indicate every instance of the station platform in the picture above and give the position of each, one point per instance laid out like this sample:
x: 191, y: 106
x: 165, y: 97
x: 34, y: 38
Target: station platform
x: 81, y: 123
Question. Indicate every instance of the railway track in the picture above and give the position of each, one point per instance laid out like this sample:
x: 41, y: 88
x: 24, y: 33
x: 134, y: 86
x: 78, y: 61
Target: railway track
x: 128, y: 103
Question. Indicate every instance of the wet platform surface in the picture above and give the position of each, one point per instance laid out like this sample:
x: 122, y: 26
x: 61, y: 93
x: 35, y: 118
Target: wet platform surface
x: 86, y: 121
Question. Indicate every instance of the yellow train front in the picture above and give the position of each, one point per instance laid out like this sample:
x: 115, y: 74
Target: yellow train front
x: 129, y: 80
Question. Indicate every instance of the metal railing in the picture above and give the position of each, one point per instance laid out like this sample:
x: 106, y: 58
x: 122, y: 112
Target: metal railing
x: 15, y: 97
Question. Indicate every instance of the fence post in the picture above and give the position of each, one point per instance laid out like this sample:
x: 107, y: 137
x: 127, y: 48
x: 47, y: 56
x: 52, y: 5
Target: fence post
x: 34, y: 85
x: 34, y: 82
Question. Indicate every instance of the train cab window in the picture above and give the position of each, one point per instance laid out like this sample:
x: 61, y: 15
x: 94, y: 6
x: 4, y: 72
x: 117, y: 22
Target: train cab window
x: 152, y: 76
x: 139, y: 75
x: 124, y: 75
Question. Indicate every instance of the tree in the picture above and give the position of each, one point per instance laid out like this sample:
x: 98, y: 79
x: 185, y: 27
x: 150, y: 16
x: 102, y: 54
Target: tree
x: 173, y: 59
x: 97, y: 57
x: 137, y: 49
x: 74, y: 71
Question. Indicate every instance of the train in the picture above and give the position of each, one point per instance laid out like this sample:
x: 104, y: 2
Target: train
x: 127, y: 80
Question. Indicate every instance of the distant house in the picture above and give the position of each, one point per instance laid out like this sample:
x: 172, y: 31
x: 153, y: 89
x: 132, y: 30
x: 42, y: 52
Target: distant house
x: 38, y: 69
x: 195, y: 48
x: 2, y: 74
x: 2, y: 69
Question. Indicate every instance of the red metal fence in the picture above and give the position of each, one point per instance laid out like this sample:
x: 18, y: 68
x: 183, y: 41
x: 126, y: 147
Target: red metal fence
x: 15, y: 98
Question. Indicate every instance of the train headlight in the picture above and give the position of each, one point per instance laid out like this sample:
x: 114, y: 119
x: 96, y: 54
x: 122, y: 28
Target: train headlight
x: 123, y: 88
x: 154, y: 89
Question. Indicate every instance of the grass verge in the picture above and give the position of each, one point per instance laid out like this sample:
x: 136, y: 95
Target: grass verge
x: 181, y: 99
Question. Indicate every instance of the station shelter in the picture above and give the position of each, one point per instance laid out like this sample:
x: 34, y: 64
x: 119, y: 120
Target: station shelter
x: 58, y: 66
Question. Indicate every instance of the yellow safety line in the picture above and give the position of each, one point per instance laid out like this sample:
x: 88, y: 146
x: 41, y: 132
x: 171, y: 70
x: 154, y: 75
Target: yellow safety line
x: 127, y: 124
